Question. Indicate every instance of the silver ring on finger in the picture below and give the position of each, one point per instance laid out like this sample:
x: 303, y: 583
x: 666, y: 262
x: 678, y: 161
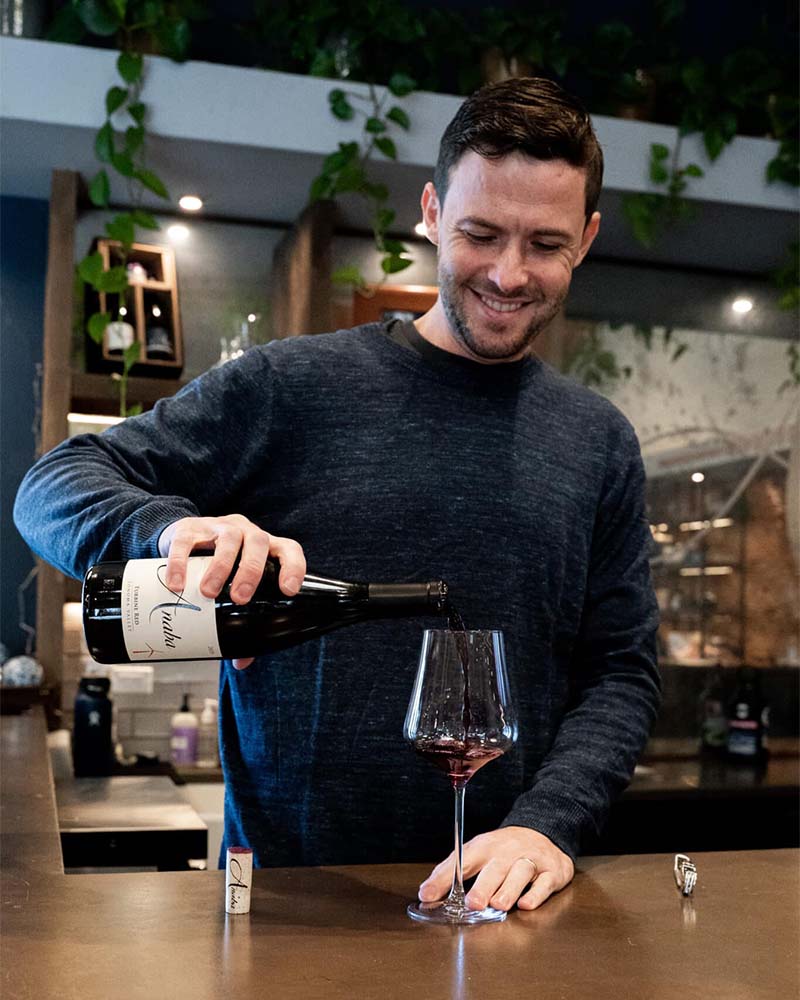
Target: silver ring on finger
x: 534, y: 866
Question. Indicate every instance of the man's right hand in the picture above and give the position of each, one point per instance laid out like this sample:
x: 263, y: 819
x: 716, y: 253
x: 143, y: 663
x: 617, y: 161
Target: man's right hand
x: 229, y: 536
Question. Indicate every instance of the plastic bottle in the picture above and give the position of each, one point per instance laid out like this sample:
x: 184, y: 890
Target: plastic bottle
x: 183, y: 735
x: 130, y: 615
x: 207, y: 755
x: 92, y: 744
x: 748, y: 719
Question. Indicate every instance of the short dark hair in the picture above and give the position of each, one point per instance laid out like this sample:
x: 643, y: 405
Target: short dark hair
x: 530, y: 115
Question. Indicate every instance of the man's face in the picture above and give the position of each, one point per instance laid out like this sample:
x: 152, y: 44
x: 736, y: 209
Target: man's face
x: 509, y: 235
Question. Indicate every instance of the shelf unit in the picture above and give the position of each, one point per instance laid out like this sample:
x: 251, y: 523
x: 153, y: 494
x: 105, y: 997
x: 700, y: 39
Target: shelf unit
x: 152, y: 314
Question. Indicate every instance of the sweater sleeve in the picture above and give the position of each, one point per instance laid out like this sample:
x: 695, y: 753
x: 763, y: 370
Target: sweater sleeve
x: 614, y: 676
x: 109, y: 496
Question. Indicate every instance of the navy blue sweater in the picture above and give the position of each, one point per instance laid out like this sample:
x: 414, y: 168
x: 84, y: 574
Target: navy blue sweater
x: 521, y: 489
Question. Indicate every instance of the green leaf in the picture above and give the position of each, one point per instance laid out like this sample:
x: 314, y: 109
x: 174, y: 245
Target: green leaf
x: 134, y: 411
x: 399, y: 116
x: 346, y: 153
x: 401, y: 84
x: 98, y: 17
x: 340, y: 106
x: 322, y: 187
x: 378, y: 192
x: 122, y: 228
x: 350, y: 178
x: 115, y: 98
x: 134, y: 137
x: 66, y: 27
x: 100, y: 190
x: 392, y: 264
x: 137, y: 112
x: 130, y: 356
x: 714, y: 142
x: 384, y: 218
x: 394, y: 247
x: 104, y: 143
x: 349, y: 275
x: 386, y: 146
x: 123, y: 164
x: 692, y: 170
x: 659, y: 151
x: 658, y: 173
x: 375, y: 126
x: 97, y: 324
x: 175, y: 37
x: 144, y: 219
x: 129, y: 66
x: 115, y: 279
x: 90, y: 268
x: 151, y: 182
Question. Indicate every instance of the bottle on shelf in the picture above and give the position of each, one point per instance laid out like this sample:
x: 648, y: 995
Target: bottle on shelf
x: 748, y: 719
x: 130, y: 615
x: 183, y: 735
x: 207, y: 751
x: 713, y: 719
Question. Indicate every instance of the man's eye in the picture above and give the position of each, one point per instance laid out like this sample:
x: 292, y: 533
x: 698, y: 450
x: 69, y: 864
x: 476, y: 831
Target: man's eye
x: 478, y: 237
x: 547, y: 247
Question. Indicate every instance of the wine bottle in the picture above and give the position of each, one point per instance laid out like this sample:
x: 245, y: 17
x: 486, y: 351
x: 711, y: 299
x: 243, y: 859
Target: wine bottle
x: 130, y: 614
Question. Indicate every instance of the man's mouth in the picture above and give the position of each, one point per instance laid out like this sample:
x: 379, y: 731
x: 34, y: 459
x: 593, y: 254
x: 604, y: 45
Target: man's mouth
x: 500, y: 305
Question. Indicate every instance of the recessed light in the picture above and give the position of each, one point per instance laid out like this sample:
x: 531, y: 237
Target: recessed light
x: 697, y: 477
x: 190, y: 203
x: 421, y: 229
x: 251, y: 317
x: 742, y: 306
x: 177, y: 233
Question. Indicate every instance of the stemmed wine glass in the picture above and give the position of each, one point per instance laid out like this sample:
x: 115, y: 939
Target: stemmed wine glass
x: 459, y: 718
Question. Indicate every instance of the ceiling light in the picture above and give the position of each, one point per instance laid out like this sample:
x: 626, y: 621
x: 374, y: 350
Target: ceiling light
x: 251, y: 317
x: 421, y: 229
x: 177, y: 233
x: 156, y: 311
x: 742, y: 306
x: 190, y: 203
x: 697, y: 477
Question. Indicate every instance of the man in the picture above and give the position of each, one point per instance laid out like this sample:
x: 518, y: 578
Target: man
x: 411, y: 451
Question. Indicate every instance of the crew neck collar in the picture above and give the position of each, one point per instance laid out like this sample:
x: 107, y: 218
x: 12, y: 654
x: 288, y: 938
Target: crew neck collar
x: 446, y: 362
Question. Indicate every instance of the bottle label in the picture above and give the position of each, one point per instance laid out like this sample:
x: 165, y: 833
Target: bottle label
x: 163, y: 624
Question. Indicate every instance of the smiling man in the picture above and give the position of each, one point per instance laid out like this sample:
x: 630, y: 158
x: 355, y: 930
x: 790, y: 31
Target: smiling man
x: 408, y: 451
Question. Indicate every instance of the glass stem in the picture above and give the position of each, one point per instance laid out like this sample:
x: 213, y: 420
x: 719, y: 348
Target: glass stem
x: 456, y: 897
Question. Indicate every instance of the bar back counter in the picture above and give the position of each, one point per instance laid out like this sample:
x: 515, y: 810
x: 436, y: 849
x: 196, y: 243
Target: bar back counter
x: 620, y: 930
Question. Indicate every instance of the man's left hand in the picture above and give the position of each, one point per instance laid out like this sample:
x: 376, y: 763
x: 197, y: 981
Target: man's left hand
x: 504, y: 862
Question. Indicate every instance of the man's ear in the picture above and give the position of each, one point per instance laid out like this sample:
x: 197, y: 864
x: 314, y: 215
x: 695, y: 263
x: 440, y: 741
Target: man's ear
x: 430, y: 212
x: 590, y: 230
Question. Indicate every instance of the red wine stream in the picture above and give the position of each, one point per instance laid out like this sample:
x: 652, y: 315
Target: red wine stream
x: 456, y: 625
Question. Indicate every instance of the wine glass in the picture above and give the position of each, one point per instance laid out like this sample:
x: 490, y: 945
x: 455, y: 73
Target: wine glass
x: 459, y: 718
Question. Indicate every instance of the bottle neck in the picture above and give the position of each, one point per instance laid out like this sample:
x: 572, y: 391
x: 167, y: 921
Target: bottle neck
x: 429, y: 595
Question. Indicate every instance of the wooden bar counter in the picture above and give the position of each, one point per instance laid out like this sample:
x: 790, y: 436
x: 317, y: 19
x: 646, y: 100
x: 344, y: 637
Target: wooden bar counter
x: 620, y: 930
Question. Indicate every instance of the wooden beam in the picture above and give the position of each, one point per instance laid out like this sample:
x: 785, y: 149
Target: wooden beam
x: 301, y: 291
x: 56, y: 390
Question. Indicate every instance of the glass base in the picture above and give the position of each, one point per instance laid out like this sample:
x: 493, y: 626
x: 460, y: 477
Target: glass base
x: 445, y: 912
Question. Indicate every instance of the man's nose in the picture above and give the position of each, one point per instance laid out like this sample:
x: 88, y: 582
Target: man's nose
x: 509, y: 272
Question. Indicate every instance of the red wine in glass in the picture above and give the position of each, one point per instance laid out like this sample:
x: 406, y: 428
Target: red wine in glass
x: 459, y: 718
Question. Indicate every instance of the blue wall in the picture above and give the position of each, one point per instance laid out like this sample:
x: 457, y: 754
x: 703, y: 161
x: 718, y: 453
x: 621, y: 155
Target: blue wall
x: 23, y: 262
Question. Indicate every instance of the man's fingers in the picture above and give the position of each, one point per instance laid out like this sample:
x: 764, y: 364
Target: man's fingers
x: 293, y: 563
x: 188, y: 533
x: 543, y: 887
x: 242, y: 664
x: 503, y: 886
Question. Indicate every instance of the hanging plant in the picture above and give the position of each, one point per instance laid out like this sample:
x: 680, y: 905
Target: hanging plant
x: 345, y: 171
x: 650, y: 214
x: 138, y: 26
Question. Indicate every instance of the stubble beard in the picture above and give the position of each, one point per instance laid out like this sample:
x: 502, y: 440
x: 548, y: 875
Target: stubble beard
x: 451, y: 295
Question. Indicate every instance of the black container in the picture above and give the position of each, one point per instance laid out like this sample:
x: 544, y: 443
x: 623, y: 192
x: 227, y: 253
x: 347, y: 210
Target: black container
x: 748, y: 719
x: 92, y: 746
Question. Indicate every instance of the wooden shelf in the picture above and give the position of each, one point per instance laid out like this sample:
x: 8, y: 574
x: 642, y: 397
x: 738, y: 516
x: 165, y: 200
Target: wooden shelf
x: 98, y: 393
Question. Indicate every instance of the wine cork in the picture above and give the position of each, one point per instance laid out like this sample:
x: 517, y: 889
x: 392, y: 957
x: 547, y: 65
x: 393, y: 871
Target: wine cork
x: 238, y: 879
